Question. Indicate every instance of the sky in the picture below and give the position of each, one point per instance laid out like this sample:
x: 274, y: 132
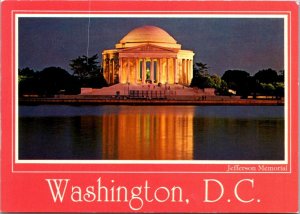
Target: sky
x: 249, y: 44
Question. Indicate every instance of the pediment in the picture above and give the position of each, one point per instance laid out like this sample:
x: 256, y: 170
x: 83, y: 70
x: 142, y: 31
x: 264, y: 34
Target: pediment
x: 149, y: 48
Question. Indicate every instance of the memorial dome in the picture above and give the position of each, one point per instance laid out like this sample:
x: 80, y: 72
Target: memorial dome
x: 148, y: 34
x: 147, y: 54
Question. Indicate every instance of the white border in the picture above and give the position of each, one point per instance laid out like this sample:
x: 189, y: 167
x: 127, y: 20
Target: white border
x: 287, y: 32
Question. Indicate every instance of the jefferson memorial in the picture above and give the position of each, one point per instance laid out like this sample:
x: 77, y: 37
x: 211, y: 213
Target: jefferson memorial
x: 148, y: 63
x: 148, y: 54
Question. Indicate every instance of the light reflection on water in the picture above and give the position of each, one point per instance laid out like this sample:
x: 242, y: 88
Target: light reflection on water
x: 151, y: 132
x: 148, y: 135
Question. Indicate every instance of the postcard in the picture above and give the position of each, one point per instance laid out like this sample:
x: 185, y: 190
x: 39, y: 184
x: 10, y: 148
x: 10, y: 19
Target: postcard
x: 149, y: 106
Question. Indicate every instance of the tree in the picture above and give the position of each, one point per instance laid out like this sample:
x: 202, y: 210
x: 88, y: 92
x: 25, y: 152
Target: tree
x: 25, y: 73
x: 237, y: 80
x: 280, y: 76
x: 96, y: 80
x: 88, y: 71
x: 215, y: 81
x: 55, y: 80
x: 199, y: 68
x: 267, y: 89
x: 48, y: 82
x: 28, y: 81
x: 200, y: 76
x: 279, y: 89
x: 219, y: 84
x: 202, y: 79
x: 266, y: 76
x: 84, y: 66
x: 270, y: 83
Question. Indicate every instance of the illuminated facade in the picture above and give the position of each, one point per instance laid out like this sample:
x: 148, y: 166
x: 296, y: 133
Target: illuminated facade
x: 148, y: 54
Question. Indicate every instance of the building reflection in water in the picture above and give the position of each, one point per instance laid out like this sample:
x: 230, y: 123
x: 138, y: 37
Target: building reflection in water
x: 146, y: 135
x: 151, y: 132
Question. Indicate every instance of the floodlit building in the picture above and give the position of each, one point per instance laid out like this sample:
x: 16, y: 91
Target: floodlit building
x: 148, y: 54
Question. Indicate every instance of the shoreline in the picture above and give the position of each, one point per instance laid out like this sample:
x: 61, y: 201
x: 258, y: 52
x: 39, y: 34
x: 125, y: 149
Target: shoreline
x: 96, y: 101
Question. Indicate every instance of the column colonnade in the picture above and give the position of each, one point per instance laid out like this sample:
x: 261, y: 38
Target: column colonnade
x: 141, y: 68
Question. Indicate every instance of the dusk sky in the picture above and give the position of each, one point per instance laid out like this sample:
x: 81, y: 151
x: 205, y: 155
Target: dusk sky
x: 249, y: 44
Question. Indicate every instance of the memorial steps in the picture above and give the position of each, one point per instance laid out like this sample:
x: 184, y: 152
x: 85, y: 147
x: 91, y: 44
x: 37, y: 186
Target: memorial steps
x: 175, y: 91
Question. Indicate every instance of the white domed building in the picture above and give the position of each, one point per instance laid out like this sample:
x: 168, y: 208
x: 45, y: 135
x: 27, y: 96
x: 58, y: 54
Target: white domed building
x: 148, y: 54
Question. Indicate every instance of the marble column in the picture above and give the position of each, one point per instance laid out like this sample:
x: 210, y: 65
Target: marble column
x: 186, y: 71
x: 128, y: 70
x: 137, y: 75
x: 110, y: 71
x: 167, y: 71
x: 160, y: 69
x: 120, y: 70
x: 175, y: 70
x: 113, y: 70
x: 183, y: 71
x: 157, y: 70
x: 144, y: 71
x: 152, y: 70
x: 192, y: 70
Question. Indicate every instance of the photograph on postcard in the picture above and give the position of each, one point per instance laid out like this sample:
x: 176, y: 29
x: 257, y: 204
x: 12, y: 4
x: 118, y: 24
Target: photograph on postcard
x: 148, y: 87
x: 149, y: 106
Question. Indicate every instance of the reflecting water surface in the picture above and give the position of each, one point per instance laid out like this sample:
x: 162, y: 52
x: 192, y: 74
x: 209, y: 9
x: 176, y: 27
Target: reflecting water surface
x: 151, y: 132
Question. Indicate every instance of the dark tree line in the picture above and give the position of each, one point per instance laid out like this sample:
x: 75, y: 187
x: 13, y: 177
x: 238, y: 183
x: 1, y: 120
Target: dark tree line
x: 87, y: 72
x: 266, y: 82
x: 55, y: 80
x: 202, y: 79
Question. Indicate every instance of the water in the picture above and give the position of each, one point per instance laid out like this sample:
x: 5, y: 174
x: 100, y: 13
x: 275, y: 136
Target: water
x: 64, y: 132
